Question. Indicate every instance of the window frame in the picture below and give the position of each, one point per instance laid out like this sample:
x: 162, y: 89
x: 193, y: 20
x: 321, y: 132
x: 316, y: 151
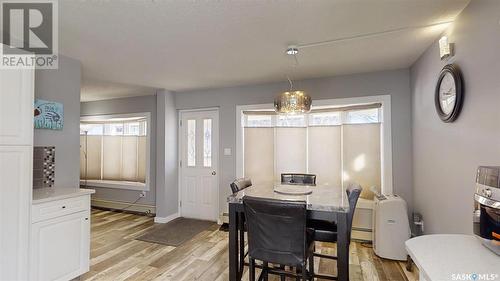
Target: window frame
x: 385, y: 135
x: 125, y: 118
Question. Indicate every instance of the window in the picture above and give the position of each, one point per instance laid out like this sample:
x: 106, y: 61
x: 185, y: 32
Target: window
x: 339, y: 145
x: 114, y: 149
x: 207, y: 143
x: 363, y: 116
x: 258, y: 121
x: 325, y: 119
x: 191, y: 143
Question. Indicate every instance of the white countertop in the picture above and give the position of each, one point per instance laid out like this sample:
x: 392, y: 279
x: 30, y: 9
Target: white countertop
x: 42, y: 195
x: 446, y: 256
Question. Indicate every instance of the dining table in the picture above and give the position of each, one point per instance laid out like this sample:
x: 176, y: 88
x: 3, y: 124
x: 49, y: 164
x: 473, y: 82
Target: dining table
x: 323, y: 202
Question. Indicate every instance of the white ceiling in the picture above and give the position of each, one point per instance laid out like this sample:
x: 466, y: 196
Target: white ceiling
x: 94, y: 89
x: 186, y: 45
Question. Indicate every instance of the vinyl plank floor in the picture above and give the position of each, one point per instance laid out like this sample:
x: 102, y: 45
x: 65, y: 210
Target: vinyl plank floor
x: 116, y: 255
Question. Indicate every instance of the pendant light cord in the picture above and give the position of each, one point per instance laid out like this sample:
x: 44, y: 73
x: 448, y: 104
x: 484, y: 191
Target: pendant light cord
x: 290, y: 82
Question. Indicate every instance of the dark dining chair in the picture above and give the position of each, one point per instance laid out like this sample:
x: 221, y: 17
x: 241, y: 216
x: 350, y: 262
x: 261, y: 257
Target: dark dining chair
x: 277, y: 234
x: 237, y: 185
x: 240, y: 184
x: 326, y: 231
x: 306, y: 179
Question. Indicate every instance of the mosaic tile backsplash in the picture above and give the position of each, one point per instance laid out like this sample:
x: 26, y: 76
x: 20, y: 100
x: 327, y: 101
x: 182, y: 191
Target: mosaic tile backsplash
x: 44, y: 166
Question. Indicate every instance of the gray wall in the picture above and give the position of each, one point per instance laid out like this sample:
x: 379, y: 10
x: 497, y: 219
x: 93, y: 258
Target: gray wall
x: 395, y: 83
x: 62, y: 85
x: 166, y: 153
x: 123, y: 106
x: 446, y: 155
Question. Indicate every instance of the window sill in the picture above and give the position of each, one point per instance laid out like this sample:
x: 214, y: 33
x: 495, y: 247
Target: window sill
x: 129, y: 185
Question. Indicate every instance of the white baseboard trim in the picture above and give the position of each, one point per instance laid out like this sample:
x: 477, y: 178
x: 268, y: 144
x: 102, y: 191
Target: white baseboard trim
x: 120, y: 205
x: 223, y: 218
x: 166, y: 219
x: 361, y: 235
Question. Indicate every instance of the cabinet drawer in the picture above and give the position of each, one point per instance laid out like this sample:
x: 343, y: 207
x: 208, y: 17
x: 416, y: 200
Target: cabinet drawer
x: 59, y: 208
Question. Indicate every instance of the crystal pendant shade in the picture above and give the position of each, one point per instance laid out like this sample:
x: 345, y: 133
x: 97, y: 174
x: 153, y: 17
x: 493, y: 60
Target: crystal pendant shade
x: 295, y: 102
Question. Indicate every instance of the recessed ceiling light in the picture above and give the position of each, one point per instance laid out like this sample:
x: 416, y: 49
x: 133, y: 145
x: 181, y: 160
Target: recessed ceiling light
x: 292, y: 50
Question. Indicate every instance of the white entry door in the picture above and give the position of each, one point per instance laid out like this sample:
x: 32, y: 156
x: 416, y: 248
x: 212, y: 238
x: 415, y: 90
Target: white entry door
x: 199, y: 148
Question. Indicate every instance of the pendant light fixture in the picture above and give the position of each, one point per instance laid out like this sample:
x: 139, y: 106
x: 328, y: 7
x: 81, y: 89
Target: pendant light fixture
x: 292, y: 102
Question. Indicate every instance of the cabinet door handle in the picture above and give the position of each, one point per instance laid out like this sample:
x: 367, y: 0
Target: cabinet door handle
x: 64, y: 207
x: 86, y: 219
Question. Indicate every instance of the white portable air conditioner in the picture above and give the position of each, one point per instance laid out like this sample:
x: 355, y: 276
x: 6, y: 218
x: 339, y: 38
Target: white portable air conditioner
x: 391, y: 227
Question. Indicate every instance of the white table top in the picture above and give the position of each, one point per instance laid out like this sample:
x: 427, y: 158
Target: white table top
x: 445, y: 256
x: 323, y: 197
x: 42, y: 195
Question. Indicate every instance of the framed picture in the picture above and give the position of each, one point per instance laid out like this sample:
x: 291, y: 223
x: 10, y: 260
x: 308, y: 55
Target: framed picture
x: 49, y: 115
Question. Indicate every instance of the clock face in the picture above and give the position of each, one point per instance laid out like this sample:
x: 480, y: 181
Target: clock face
x: 447, y: 94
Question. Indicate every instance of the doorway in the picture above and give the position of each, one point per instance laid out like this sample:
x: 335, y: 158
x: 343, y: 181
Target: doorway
x: 199, y: 155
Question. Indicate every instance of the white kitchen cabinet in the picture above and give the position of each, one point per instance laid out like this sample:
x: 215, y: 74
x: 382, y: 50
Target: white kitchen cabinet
x: 15, y: 203
x: 60, y: 234
x: 16, y: 150
x: 60, y: 248
x: 16, y: 106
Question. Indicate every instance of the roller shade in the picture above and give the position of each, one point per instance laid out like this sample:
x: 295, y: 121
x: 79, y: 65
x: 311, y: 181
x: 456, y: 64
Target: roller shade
x: 113, y: 151
x: 339, y: 145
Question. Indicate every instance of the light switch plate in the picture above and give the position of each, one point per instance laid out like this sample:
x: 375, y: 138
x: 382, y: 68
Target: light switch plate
x: 227, y: 151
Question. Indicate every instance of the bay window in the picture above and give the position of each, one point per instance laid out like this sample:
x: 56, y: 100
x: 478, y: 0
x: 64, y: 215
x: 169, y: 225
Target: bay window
x: 114, y: 151
x: 338, y: 144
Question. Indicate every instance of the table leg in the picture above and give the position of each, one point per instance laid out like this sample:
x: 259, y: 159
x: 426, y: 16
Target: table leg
x: 343, y: 248
x: 233, y: 244
x: 241, y: 229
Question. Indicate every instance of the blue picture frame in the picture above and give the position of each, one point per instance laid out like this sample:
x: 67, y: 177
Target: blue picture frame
x: 48, y: 115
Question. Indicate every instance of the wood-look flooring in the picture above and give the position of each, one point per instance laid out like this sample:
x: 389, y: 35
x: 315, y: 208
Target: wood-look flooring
x: 115, y: 255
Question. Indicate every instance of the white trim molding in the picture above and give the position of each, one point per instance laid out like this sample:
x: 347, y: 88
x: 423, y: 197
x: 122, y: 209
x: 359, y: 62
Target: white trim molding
x: 166, y: 219
x: 386, y: 135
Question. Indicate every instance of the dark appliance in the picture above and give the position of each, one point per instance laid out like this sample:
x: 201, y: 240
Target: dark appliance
x: 487, y: 207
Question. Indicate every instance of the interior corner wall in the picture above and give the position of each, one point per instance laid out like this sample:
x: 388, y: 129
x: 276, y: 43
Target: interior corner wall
x: 166, y: 168
x: 395, y: 83
x: 124, y: 106
x: 62, y: 85
x: 446, y: 155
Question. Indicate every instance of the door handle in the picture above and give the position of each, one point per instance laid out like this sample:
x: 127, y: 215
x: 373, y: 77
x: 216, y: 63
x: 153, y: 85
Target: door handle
x: 214, y: 173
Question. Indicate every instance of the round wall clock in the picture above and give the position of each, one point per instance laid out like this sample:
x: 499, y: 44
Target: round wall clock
x: 448, y: 97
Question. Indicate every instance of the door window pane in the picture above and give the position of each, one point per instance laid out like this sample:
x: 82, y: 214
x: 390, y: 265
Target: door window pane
x: 191, y: 143
x: 207, y: 142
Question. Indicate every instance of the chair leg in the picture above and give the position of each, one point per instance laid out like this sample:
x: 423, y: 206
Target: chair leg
x: 265, y: 267
x: 242, y: 244
x: 251, y: 269
x: 297, y: 271
x: 304, y: 272
x: 311, y: 267
x: 282, y: 276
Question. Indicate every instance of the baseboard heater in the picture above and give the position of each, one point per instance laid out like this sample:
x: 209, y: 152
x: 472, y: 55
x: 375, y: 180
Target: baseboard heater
x: 118, y: 205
